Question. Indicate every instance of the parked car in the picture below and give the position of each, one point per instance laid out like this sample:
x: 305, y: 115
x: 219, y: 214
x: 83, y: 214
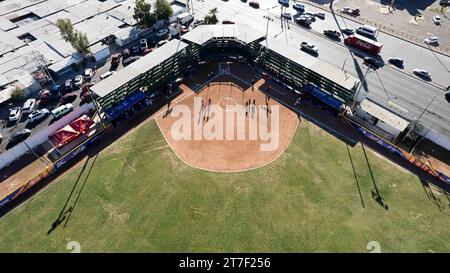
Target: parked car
x: 350, y: 11
x: 78, y: 80
x: 126, y: 53
x: 303, y: 21
x: 162, y: 32
x: 115, y: 59
x: 68, y: 85
x: 130, y: 60
x: 197, y: 23
x: 88, y: 73
x: 61, y: 110
x: 320, y: 15
x: 332, y: 33
x: 396, y: 61
x: 143, y: 44
x: 19, y: 136
x: 106, y: 75
x: 311, y: 48
x: 437, y: 20
x: 254, y: 4
x: 298, y: 7
x: 161, y: 43
x: 15, y: 114
x: 284, y: 3
x: 227, y: 22
x: 29, y: 106
x: 372, y: 62
x: 287, y: 15
x: 135, y: 50
x: 433, y: 40
x: 56, y: 89
x: 38, y: 115
x: 147, y: 50
x: 67, y: 98
x: 422, y: 73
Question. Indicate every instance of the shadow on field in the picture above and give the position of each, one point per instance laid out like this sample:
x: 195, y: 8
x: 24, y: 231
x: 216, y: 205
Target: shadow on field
x: 431, y: 196
x: 65, y: 214
x: 356, y: 177
x: 375, y: 194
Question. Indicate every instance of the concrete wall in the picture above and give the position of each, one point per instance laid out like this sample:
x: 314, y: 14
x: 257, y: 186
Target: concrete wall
x: 40, y: 137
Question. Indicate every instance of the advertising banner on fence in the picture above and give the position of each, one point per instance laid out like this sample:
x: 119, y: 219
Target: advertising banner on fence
x: 417, y: 162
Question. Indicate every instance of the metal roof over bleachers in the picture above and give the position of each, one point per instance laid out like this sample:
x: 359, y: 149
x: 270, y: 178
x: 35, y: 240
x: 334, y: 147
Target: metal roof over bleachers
x: 322, y: 68
x: 204, y: 33
x: 140, y: 66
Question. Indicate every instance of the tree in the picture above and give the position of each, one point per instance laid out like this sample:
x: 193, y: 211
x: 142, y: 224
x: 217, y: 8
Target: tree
x: 163, y: 10
x: 18, y: 94
x: 211, y: 18
x: 143, y: 15
x: 66, y: 29
x: 77, y: 39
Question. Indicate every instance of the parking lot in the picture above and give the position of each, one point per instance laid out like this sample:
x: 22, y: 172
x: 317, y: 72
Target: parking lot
x: 7, y: 128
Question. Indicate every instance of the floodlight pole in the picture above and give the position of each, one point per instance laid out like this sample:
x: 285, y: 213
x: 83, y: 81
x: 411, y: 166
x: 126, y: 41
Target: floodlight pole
x: 359, y: 89
x: 267, y: 28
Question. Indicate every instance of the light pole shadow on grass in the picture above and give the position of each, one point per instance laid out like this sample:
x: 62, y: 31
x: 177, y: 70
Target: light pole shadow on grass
x: 375, y: 194
x: 430, y: 194
x: 79, y: 193
x: 356, y: 177
x: 64, y: 211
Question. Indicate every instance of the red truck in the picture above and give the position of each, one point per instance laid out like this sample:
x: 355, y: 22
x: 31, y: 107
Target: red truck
x: 363, y: 43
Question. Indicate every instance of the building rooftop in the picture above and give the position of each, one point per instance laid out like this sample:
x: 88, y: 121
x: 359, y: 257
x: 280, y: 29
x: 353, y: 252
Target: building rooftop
x: 384, y: 115
x: 145, y: 63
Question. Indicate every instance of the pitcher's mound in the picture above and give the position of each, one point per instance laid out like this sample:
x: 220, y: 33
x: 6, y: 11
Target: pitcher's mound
x: 225, y: 128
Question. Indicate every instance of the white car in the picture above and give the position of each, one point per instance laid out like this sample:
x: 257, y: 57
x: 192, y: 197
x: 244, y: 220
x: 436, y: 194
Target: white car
x: 78, y: 80
x: 15, y: 114
x: 437, y: 19
x: 106, y: 75
x: 29, y: 106
x: 38, y: 115
x: 432, y: 40
x: 309, y: 47
x: 88, y: 73
x: 143, y: 44
x: 162, y: 32
x: 62, y: 110
x: 287, y: 16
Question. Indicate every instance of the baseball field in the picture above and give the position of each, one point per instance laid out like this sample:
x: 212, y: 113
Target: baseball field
x: 137, y: 195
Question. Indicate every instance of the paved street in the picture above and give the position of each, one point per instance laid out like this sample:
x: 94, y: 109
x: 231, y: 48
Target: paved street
x: 400, y: 88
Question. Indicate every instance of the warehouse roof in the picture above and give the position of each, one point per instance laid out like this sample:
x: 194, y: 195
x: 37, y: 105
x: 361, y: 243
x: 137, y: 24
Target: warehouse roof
x: 142, y: 65
x: 203, y: 33
x: 384, y: 115
x: 322, y: 68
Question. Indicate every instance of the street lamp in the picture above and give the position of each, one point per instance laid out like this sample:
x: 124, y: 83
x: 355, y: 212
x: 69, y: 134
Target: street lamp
x: 359, y: 89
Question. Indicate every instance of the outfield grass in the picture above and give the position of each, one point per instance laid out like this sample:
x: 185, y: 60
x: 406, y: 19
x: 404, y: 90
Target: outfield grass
x: 140, y: 197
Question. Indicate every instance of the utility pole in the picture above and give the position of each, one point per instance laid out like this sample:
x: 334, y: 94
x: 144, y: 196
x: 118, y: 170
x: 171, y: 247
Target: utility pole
x: 417, y: 120
x: 41, y: 64
x: 359, y: 89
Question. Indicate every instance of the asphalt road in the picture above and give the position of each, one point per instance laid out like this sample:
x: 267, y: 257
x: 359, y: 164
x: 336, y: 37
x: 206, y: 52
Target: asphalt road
x: 396, y: 89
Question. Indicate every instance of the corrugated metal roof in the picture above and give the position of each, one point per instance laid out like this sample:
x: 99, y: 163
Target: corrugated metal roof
x: 304, y: 59
x: 203, y: 33
x: 6, y: 25
x: 384, y: 115
x: 142, y: 65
